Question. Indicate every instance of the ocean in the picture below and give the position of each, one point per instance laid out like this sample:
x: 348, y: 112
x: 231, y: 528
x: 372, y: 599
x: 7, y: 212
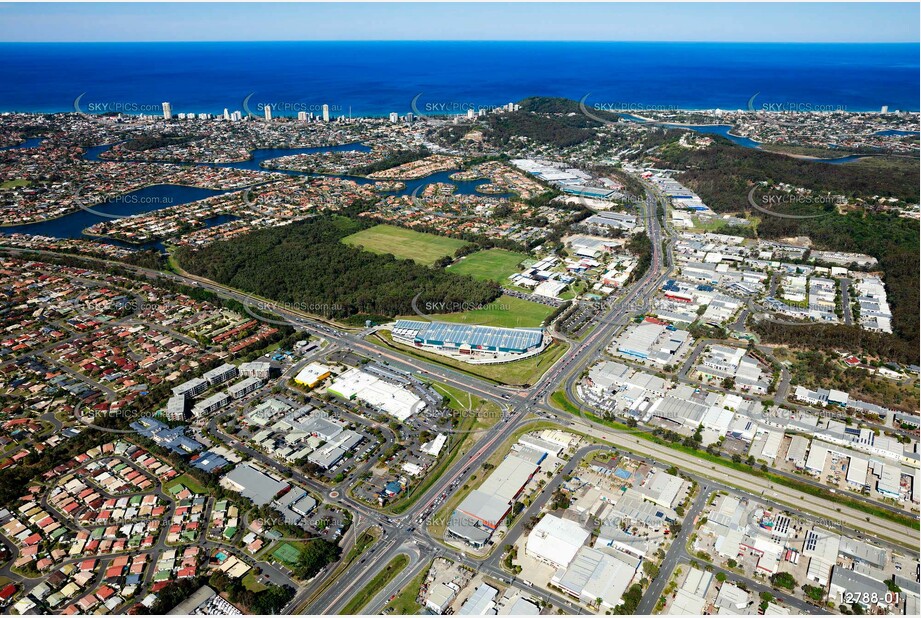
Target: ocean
x: 376, y: 78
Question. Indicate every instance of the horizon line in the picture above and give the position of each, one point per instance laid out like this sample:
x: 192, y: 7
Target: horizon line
x: 465, y: 41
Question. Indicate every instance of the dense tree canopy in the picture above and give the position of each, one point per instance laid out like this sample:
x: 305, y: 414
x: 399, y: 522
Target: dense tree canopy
x: 306, y: 265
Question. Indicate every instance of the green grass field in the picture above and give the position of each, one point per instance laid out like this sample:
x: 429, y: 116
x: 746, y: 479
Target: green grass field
x: 189, y: 482
x: 18, y: 182
x: 405, y: 244
x: 494, y: 264
x: 507, y: 311
x: 250, y: 583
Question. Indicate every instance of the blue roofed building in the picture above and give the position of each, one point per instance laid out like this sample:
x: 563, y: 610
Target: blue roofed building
x: 467, y: 339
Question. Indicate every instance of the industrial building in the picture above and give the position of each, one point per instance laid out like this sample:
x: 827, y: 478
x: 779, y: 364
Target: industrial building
x: 556, y: 541
x: 253, y: 483
x: 690, y: 599
x: 467, y: 339
x: 594, y: 574
x: 480, y: 603
x: 612, y: 220
x: 654, y: 341
x: 481, y: 512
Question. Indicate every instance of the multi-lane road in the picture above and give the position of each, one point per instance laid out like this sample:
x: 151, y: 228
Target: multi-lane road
x: 402, y: 534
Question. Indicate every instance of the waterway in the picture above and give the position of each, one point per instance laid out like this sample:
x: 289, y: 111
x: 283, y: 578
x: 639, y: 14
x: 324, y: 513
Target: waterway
x: 156, y: 197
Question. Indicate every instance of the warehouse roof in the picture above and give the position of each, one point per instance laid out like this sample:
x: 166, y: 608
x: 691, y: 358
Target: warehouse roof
x: 472, y: 335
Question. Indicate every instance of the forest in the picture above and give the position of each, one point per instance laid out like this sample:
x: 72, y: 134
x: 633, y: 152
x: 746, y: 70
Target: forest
x: 306, y: 265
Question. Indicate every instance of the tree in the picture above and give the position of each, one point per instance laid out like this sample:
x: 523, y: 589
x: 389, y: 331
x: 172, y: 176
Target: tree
x: 317, y: 553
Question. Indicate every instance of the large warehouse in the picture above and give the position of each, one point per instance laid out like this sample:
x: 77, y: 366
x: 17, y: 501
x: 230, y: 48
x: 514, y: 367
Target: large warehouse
x: 481, y: 512
x: 469, y: 339
x: 392, y: 399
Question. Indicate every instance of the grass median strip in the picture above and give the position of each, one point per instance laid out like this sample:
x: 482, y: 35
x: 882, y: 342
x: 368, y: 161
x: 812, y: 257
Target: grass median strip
x: 476, y: 414
x: 405, y: 603
x: 377, y: 583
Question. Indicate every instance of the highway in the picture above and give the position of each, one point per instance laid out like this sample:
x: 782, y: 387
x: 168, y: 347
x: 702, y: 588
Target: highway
x: 401, y: 533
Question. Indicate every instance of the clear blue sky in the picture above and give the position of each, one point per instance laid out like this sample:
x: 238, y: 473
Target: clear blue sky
x: 253, y: 21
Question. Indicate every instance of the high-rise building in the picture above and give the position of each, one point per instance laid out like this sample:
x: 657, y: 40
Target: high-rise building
x: 325, y: 112
x: 268, y: 112
x: 167, y: 111
x: 409, y: 117
x: 302, y: 116
x: 470, y: 113
x: 226, y: 114
x: 237, y: 116
x: 884, y: 110
x: 394, y: 117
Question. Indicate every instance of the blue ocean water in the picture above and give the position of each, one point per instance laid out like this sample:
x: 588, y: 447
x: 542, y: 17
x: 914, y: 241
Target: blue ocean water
x: 375, y: 78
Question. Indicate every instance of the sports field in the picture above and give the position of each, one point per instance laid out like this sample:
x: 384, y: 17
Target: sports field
x: 494, y: 264
x: 507, y: 311
x: 286, y: 553
x: 404, y: 244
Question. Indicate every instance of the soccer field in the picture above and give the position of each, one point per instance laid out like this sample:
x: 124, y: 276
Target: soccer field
x: 405, y: 244
x: 494, y: 264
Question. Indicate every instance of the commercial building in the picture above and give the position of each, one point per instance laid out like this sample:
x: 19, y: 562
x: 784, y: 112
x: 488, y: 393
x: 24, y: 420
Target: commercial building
x: 392, y: 399
x: 295, y: 505
x: 333, y: 451
x: 176, y: 408
x: 481, y: 512
x: 312, y: 375
x: 257, y: 369
x: 467, y: 339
